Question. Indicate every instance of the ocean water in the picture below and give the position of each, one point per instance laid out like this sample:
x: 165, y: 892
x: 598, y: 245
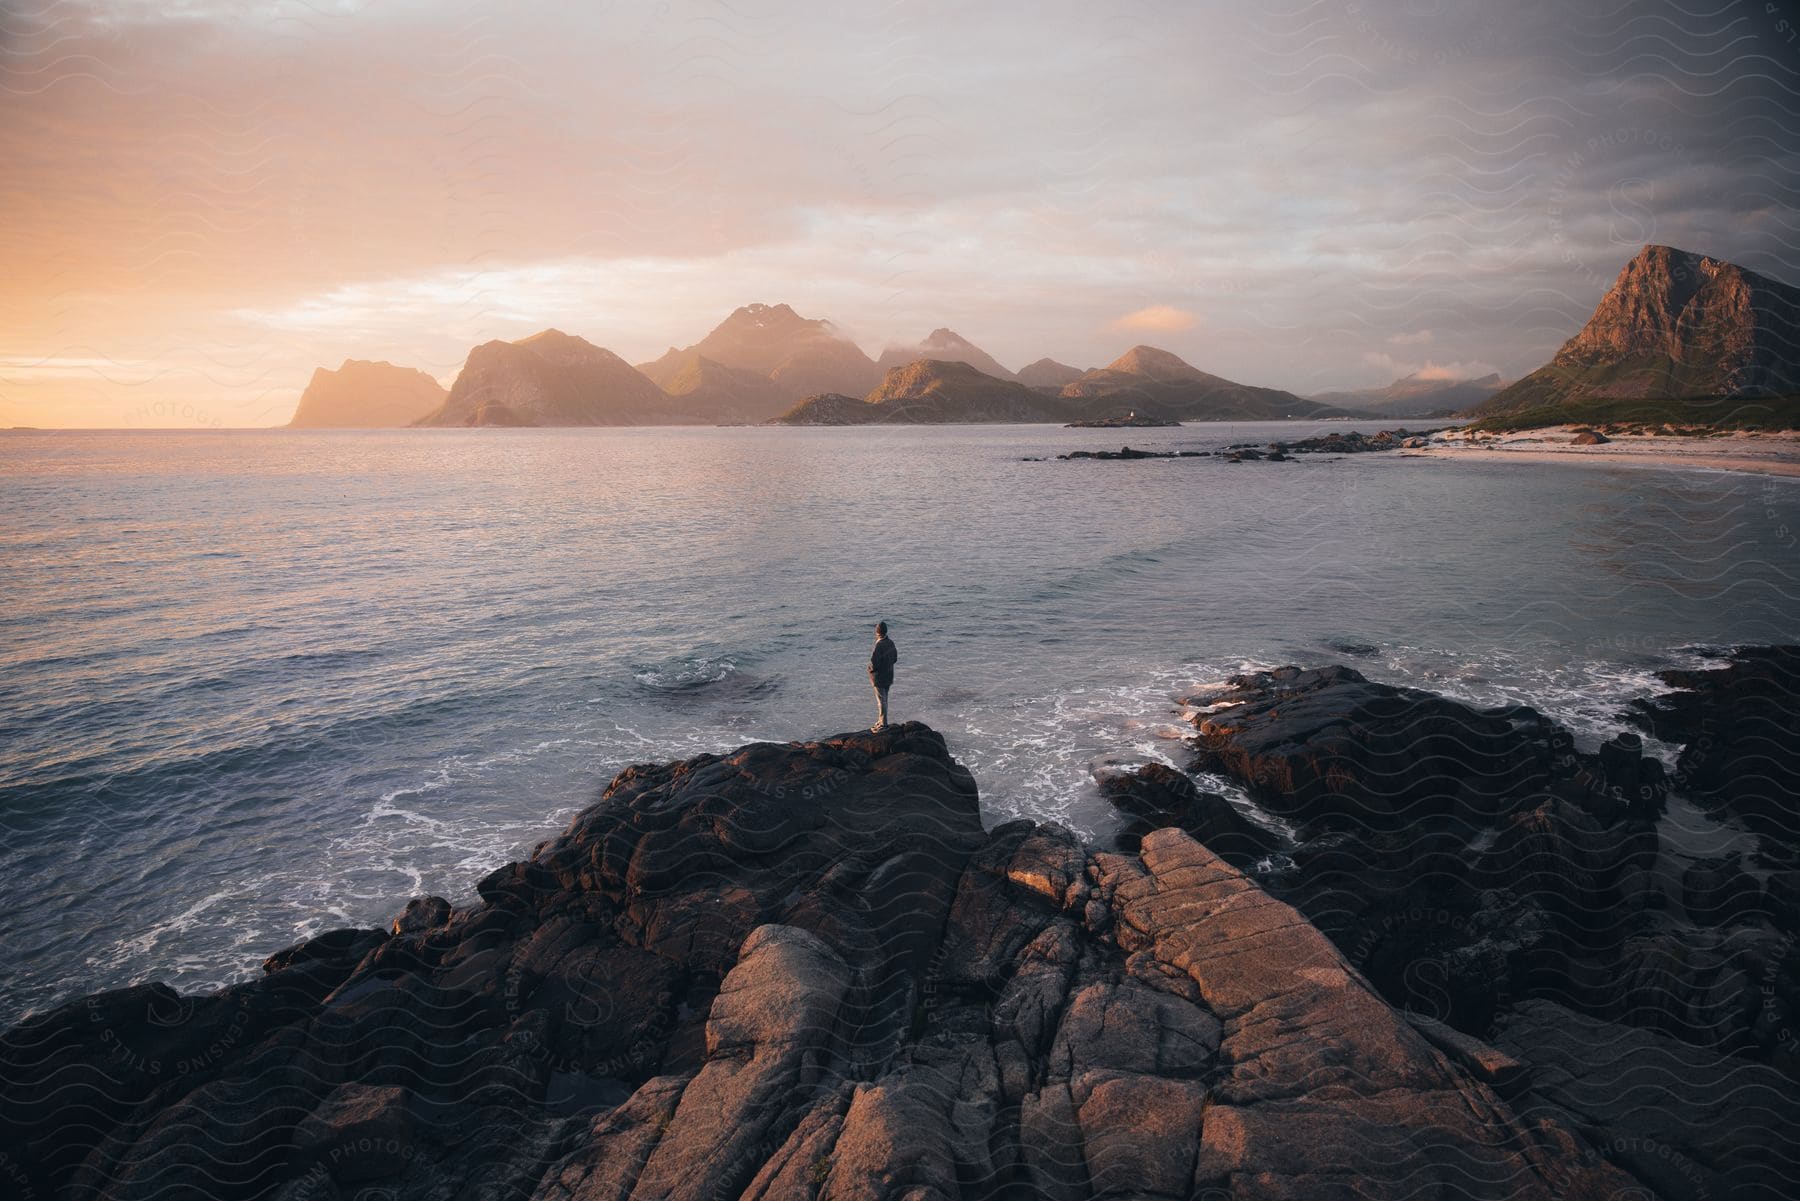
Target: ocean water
x: 254, y: 685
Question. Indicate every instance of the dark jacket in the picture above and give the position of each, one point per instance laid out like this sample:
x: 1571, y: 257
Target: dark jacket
x: 881, y: 663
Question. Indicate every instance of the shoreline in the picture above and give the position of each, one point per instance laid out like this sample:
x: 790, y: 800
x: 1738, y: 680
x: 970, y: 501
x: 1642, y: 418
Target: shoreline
x: 742, y: 973
x: 859, y: 954
x: 1756, y: 453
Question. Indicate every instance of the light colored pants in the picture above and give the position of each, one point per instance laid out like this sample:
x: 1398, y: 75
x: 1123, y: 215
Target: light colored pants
x: 880, y: 703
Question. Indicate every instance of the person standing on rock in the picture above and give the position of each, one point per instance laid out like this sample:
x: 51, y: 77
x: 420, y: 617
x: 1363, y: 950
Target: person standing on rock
x: 881, y: 672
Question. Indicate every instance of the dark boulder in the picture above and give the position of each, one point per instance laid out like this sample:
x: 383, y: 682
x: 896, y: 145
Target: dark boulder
x: 1687, y: 1121
x: 421, y: 913
x: 1720, y: 892
x: 1463, y: 858
x: 359, y: 1132
x: 1328, y: 748
x: 1128, y: 453
x: 1155, y: 795
x: 1735, y: 724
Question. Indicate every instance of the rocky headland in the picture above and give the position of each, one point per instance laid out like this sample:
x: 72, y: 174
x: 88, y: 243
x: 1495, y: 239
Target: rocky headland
x: 1454, y: 956
x: 1673, y: 325
x: 548, y: 379
x: 365, y: 395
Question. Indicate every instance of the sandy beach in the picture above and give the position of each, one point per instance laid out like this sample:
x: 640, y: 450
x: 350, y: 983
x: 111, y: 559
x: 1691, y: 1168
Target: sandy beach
x: 1760, y: 453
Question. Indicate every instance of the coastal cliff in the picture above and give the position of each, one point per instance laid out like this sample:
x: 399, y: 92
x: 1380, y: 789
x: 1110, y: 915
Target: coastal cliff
x: 365, y: 395
x: 1673, y: 325
x: 550, y: 378
x: 807, y: 970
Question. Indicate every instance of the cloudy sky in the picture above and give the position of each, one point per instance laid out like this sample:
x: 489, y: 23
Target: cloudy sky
x: 201, y: 201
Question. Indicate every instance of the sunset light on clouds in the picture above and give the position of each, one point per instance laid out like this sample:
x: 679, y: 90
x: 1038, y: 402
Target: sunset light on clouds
x: 203, y: 202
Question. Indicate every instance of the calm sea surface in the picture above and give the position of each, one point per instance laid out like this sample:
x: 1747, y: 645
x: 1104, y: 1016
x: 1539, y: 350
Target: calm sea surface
x: 256, y: 685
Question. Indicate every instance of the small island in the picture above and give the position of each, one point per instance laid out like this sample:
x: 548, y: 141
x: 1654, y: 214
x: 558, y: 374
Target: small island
x: 1129, y: 421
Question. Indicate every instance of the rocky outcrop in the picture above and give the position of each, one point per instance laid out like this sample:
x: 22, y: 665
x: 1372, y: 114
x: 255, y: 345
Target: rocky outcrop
x: 796, y: 970
x: 1331, y: 749
x: 1462, y: 858
x: 1123, y: 421
x: 1467, y: 860
x: 1156, y: 796
x: 1674, y: 324
x: 1130, y: 453
x: 1322, y: 1088
x: 549, y: 379
x: 1350, y: 442
x: 1735, y: 725
x: 945, y: 346
x: 1685, y: 1122
x: 827, y: 408
x: 365, y: 395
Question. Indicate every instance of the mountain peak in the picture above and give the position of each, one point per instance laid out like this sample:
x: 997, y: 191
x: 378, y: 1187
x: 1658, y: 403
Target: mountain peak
x: 1155, y: 363
x: 550, y: 335
x: 1674, y: 324
x: 1657, y: 250
x: 764, y: 315
x: 548, y: 379
x: 1048, y: 373
x: 1666, y: 301
x: 798, y: 355
x: 947, y: 345
x: 940, y: 390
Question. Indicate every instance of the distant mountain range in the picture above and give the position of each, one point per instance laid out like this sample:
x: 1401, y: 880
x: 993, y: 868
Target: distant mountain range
x: 367, y: 395
x: 1144, y: 380
x: 766, y: 362
x: 1417, y: 396
x: 1674, y: 325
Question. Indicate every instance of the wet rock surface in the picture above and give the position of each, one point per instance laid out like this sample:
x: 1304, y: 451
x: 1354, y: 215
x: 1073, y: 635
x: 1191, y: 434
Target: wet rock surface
x: 1736, y: 725
x: 1130, y: 453
x: 1352, y: 442
x: 1348, y: 443
x: 795, y: 970
x: 1685, y: 1122
x: 1154, y: 796
x: 1477, y: 866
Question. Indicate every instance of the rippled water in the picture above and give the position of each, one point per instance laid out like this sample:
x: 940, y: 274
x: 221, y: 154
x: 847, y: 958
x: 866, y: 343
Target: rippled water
x: 260, y: 684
